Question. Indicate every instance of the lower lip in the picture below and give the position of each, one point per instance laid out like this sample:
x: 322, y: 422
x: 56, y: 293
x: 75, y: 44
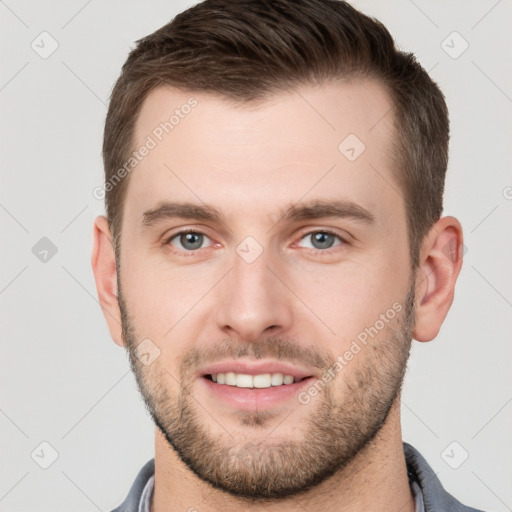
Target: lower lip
x: 251, y: 399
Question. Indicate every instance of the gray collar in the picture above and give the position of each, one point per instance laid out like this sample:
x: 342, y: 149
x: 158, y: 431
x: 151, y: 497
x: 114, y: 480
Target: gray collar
x: 435, y: 498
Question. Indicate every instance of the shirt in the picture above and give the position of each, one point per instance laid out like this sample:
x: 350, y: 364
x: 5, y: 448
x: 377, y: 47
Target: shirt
x: 429, y: 494
x: 147, y: 493
x: 145, y: 500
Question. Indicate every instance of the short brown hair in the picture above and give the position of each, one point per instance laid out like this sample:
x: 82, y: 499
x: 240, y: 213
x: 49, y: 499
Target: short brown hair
x: 246, y: 50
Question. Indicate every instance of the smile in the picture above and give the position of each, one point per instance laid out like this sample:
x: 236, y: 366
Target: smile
x: 260, y: 381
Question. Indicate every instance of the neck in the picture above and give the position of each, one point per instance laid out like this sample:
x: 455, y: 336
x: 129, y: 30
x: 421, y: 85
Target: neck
x: 375, y: 480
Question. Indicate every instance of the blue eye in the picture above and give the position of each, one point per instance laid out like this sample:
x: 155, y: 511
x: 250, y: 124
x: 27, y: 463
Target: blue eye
x: 191, y: 241
x: 188, y: 240
x: 321, y: 240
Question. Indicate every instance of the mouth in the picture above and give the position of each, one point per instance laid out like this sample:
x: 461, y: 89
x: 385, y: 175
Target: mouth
x: 251, y: 386
x: 259, y: 381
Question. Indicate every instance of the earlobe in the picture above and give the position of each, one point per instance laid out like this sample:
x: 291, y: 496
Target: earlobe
x: 105, y: 274
x: 440, y: 264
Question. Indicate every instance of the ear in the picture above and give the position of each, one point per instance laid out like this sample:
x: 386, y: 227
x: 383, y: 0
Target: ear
x: 103, y: 263
x: 439, y: 266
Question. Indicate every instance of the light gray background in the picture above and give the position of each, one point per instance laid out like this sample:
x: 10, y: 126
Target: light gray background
x: 65, y: 382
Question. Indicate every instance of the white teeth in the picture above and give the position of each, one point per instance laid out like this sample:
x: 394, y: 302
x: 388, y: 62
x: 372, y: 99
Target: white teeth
x: 288, y: 379
x: 277, y: 379
x: 262, y: 381
x: 242, y: 380
x: 231, y: 378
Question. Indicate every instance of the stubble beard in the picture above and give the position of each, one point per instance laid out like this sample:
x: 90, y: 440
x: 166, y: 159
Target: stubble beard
x: 266, y: 470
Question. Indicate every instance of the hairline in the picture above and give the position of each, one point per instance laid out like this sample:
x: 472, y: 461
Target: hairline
x: 397, y: 163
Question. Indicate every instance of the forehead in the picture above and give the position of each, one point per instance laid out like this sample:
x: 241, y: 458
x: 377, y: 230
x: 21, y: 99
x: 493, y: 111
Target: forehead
x: 308, y: 114
x: 333, y: 139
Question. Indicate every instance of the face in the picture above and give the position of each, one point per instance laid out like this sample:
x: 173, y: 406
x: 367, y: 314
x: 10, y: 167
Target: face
x: 265, y: 263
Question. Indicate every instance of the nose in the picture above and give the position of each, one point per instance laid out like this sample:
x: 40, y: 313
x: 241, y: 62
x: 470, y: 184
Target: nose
x: 252, y: 301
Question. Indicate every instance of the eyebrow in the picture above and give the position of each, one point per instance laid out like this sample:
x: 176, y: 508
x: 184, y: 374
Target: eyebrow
x: 168, y: 210
x: 305, y: 211
x: 321, y: 209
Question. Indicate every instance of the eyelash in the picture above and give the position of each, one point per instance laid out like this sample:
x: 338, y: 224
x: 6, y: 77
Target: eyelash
x: 329, y: 250
x: 168, y: 240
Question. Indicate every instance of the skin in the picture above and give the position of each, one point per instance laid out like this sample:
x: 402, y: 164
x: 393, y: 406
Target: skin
x: 250, y: 164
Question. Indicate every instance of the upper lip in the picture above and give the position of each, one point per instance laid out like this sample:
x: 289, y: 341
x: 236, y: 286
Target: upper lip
x: 255, y: 368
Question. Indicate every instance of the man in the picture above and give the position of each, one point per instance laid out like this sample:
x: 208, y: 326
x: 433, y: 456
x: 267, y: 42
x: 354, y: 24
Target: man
x: 273, y: 242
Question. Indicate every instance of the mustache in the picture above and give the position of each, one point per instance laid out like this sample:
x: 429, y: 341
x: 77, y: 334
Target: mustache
x: 278, y: 348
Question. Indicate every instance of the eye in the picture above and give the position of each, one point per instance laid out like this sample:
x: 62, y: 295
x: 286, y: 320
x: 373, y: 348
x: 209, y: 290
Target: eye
x: 321, y: 240
x: 188, y: 240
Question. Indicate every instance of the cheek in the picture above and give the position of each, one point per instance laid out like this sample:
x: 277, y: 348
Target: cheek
x: 162, y: 298
x: 349, y: 297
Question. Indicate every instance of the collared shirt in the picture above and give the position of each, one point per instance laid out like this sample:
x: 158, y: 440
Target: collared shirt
x: 147, y: 493
x: 429, y: 494
x: 145, y: 500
